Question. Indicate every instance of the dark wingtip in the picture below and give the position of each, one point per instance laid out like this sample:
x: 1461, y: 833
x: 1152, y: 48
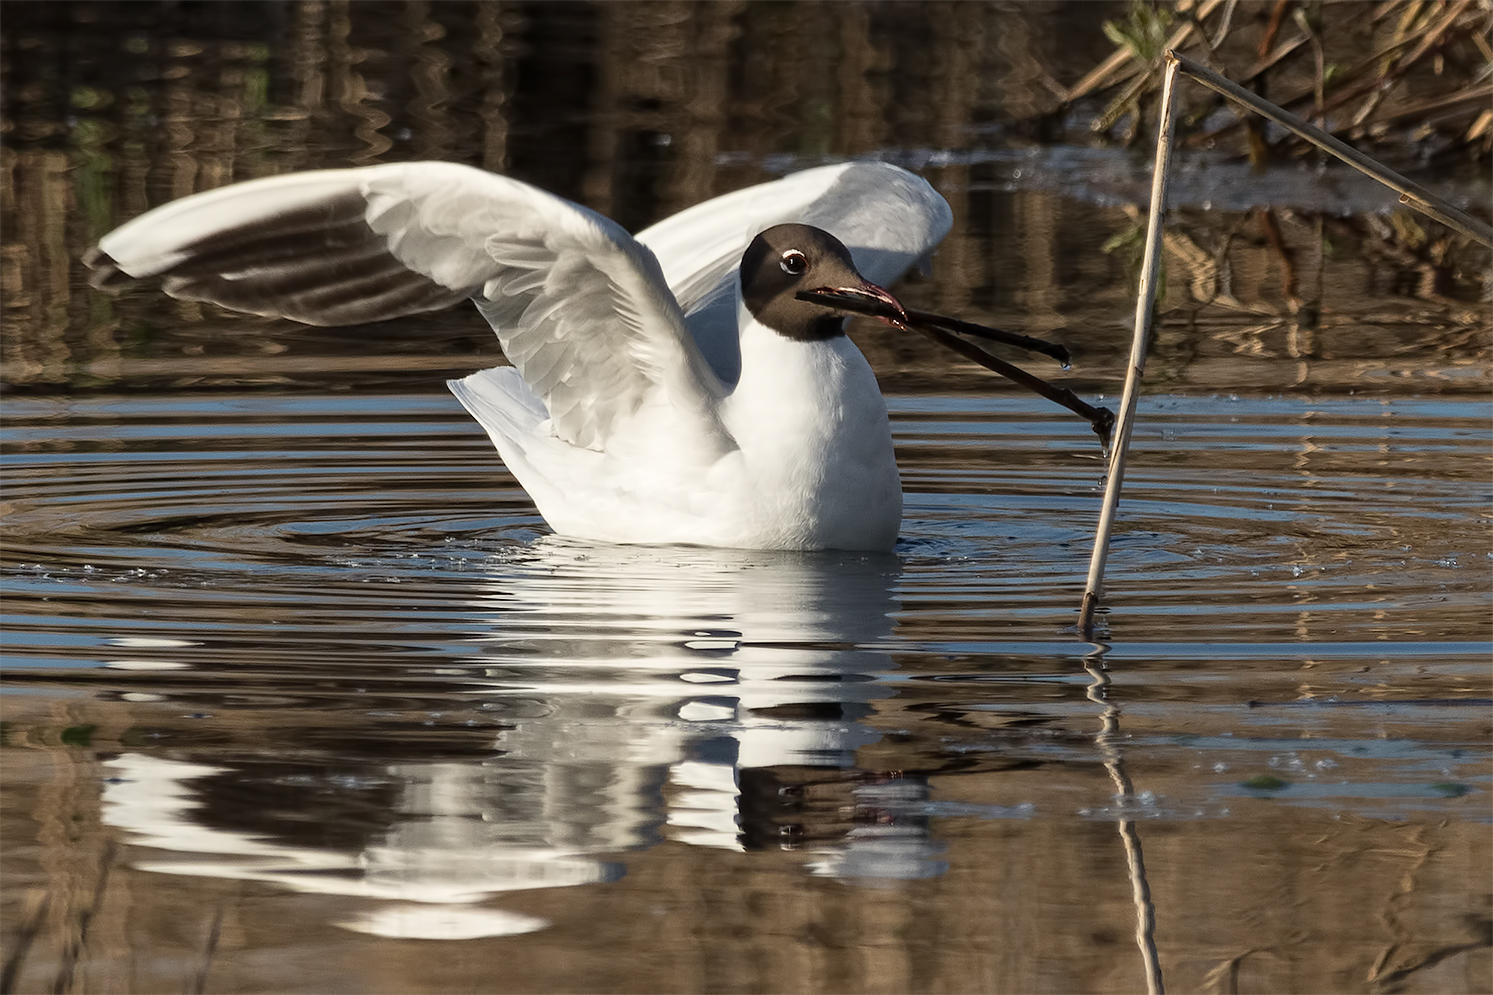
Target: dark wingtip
x: 106, y: 273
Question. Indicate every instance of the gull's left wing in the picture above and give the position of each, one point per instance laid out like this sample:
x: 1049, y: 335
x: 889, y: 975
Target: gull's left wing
x: 580, y: 307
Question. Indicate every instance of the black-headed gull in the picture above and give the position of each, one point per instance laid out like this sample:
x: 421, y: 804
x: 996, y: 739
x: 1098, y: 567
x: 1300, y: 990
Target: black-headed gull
x: 665, y: 388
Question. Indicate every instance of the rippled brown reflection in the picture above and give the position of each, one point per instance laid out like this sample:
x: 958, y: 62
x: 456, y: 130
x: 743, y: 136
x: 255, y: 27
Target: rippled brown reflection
x: 289, y: 676
x: 299, y: 696
x: 1294, y: 278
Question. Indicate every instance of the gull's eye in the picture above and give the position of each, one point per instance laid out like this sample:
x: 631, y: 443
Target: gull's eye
x: 793, y: 262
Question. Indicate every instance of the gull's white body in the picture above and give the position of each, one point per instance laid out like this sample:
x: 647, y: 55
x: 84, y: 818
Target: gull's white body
x: 645, y: 403
x: 809, y: 462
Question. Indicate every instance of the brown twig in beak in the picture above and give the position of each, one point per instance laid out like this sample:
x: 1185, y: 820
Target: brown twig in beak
x: 1101, y: 420
x: 939, y: 328
x: 871, y: 308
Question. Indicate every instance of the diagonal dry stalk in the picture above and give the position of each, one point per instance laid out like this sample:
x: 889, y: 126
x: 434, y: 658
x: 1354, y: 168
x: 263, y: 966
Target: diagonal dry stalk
x: 1411, y: 194
x: 1145, y: 316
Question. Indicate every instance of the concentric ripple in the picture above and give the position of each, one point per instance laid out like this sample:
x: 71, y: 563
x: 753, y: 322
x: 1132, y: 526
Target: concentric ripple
x: 348, y: 550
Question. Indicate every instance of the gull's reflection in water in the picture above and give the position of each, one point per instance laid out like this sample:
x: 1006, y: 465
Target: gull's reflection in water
x: 709, y: 697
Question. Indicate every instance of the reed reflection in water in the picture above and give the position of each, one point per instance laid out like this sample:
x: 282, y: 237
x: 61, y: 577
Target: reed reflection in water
x: 1294, y: 277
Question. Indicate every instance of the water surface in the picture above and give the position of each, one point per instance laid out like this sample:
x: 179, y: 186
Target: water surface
x: 309, y: 665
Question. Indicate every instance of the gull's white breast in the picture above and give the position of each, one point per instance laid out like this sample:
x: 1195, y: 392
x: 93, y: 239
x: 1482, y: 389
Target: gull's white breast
x: 816, y: 444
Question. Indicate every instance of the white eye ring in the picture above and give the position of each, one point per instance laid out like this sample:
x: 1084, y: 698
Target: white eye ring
x: 793, y: 262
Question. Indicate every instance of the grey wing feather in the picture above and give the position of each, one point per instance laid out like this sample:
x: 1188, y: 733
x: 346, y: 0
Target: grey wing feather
x: 581, y: 309
x: 299, y: 251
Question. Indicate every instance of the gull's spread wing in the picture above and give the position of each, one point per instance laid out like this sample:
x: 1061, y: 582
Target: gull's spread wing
x: 581, y: 309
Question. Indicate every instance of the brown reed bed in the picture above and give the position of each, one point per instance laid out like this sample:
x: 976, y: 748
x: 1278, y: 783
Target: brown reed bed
x: 1412, y: 74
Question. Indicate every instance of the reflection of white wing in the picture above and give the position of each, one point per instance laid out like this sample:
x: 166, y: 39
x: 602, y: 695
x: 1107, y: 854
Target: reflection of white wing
x: 604, y: 672
x: 441, y: 851
x: 581, y: 309
x: 889, y: 218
